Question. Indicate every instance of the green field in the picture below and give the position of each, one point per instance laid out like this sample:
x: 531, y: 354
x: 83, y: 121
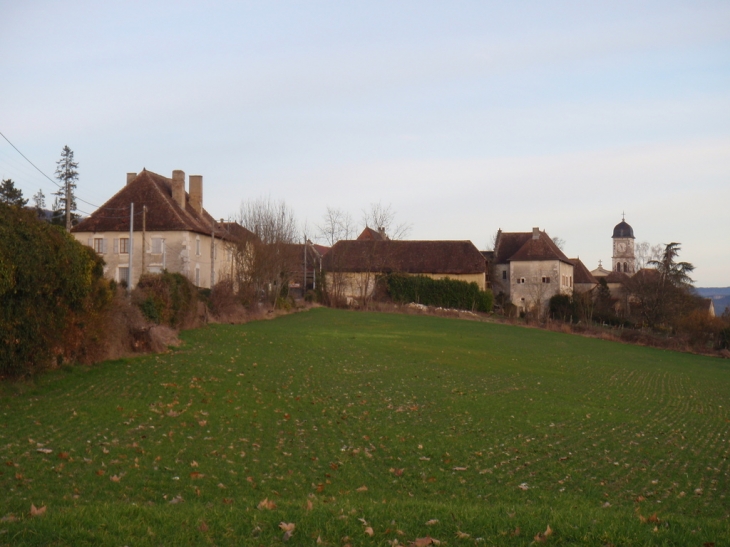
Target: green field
x: 493, y: 431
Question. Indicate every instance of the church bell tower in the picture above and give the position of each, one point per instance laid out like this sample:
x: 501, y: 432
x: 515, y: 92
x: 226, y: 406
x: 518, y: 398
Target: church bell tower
x: 623, y: 259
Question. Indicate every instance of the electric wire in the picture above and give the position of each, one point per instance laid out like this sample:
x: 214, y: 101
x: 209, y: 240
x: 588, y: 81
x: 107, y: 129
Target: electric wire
x: 49, y: 178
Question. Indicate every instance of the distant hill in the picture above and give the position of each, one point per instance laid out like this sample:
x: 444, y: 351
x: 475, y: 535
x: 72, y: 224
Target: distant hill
x: 720, y: 297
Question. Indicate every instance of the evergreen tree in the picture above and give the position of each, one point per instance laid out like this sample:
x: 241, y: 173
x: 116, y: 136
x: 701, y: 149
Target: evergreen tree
x: 40, y: 203
x: 10, y: 195
x: 67, y: 175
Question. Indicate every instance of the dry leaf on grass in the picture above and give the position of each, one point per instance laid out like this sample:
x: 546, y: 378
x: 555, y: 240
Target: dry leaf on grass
x: 542, y: 537
x: 363, y: 488
x: 287, y: 526
x: 369, y: 531
x: 432, y: 522
x: 462, y: 535
x: 266, y: 503
x: 37, y: 511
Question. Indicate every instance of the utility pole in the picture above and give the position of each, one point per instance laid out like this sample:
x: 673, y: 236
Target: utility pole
x: 68, y: 205
x: 131, y: 247
x: 304, y: 285
x: 144, y: 227
x: 212, y: 257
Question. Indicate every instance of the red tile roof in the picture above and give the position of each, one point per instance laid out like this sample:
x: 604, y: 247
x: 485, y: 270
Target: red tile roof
x: 414, y: 257
x: 163, y: 213
x: 371, y: 235
x: 581, y: 274
x: 542, y: 248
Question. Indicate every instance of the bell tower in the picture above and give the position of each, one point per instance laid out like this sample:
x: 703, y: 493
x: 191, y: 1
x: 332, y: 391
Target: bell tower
x: 623, y: 259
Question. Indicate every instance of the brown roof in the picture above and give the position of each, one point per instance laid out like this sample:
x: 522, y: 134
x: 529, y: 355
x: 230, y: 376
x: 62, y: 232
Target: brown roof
x: 508, y: 243
x: 617, y: 277
x: 238, y: 232
x: 368, y: 234
x: 321, y: 249
x: 436, y: 257
x: 163, y: 213
x: 540, y: 248
x: 581, y: 273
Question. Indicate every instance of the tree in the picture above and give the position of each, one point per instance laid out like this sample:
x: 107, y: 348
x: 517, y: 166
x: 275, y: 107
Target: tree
x: 663, y: 292
x: 336, y: 225
x: 67, y: 175
x: 559, y: 242
x: 383, y: 217
x: 269, y: 262
x: 40, y: 203
x: 10, y: 195
x: 644, y: 252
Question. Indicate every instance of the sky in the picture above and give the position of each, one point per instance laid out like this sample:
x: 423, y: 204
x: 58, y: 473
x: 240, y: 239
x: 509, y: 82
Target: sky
x: 464, y: 117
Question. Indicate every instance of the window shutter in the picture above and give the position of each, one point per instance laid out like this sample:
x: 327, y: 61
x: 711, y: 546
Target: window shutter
x: 103, y: 246
x: 91, y: 242
x: 116, y: 245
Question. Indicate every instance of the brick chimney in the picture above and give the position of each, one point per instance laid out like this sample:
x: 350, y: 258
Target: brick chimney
x: 178, y: 187
x: 131, y: 177
x: 196, y: 192
x: 536, y: 233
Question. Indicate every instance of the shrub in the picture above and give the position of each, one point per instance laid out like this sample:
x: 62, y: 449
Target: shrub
x: 167, y: 299
x: 447, y: 293
x: 51, y: 288
x: 562, y: 307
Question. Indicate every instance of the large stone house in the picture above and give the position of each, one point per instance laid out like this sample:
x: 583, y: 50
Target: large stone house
x: 171, y: 231
x: 351, y: 266
x: 529, y: 269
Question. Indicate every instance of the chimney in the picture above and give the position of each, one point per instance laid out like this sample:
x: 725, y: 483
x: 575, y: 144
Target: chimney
x: 196, y: 192
x: 131, y: 177
x: 536, y: 233
x: 178, y: 187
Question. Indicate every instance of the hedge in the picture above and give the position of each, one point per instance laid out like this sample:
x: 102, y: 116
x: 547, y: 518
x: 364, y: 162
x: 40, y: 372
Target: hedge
x: 446, y: 293
x: 51, y: 286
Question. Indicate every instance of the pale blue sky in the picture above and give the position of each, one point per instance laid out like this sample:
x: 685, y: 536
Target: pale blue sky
x: 465, y: 116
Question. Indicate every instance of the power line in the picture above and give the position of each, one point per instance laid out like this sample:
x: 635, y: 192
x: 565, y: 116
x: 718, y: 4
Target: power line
x: 49, y: 178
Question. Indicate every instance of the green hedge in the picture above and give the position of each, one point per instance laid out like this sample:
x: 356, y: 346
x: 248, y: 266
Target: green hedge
x: 446, y: 293
x: 51, y: 286
x: 167, y: 298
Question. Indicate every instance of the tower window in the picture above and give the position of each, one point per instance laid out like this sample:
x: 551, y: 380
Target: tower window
x: 626, y: 267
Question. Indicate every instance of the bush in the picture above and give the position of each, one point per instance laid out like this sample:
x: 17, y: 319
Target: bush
x: 446, y: 293
x: 561, y: 307
x: 51, y: 289
x: 167, y: 299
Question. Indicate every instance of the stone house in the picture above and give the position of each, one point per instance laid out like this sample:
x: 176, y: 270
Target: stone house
x: 529, y: 269
x: 171, y: 231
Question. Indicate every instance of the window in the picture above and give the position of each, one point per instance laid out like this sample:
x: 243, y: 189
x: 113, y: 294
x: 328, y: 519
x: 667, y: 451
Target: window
x: 571, y: 280
x: 123, y: 275
x: 124, y: 245
x: 521, y: 281
x: 197, y: 275
x: 100, y: 245
x: 197, y: 246
x: 157, y: 245
x: 545, y: 279
x: 504, y: 274
x: 626, y: 267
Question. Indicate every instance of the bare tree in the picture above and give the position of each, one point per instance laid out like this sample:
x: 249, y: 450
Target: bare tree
x: 381, y: 216
x: 645, y: 253
x: 336, y: 225
x: 268, y: 261
x: 559, y: 242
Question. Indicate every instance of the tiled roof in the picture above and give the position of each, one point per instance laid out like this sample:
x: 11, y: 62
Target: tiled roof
x: 414, y: 257
x: 581, y: 273
x: 321, y: 249
x: 368, y: 234
x: 163, y: 213
x: 542, y: 248
x: 617, y: 277
x: 508, y: 243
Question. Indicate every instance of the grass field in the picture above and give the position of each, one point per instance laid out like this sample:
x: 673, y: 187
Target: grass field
x: 363, y: 429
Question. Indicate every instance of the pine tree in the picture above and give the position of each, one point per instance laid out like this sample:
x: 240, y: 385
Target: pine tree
x: 67, y: 175
x: 40, y: 203
x: 10, y: 195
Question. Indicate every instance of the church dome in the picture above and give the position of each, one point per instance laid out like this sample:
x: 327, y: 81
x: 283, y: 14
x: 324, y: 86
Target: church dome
x: 623, y: 229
